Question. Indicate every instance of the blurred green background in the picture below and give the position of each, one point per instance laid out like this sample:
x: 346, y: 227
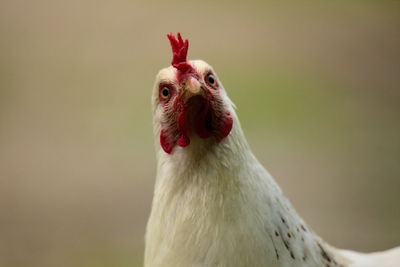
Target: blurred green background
x: 317, y: 86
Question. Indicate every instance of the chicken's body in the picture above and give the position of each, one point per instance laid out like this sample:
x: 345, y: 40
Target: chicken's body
x: 215, y: 204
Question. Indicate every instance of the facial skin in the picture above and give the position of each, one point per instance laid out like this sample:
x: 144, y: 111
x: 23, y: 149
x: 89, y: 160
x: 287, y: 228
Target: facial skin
x: 190, y: 103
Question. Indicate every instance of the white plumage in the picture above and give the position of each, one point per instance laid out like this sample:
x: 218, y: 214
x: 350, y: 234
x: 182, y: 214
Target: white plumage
x: 215, y: 205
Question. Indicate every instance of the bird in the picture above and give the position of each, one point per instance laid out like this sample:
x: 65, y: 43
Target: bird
x: 214, y: 204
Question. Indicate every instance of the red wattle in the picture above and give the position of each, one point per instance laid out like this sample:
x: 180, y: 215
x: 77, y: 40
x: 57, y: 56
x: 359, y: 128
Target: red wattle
x: 165, y: 144
x: 183, y: 141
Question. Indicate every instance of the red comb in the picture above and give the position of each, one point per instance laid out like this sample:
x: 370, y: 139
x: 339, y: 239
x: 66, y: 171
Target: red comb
x: 179, y: 51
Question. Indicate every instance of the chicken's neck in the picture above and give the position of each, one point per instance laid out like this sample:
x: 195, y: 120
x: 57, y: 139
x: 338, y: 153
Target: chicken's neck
x: 219, y: 191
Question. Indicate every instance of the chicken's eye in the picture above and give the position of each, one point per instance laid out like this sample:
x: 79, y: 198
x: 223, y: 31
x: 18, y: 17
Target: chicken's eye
x: 165, y: 92
x: 211, y: 80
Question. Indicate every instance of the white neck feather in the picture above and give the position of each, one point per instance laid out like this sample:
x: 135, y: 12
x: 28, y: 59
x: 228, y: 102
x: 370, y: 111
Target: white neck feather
x: 215, y: 204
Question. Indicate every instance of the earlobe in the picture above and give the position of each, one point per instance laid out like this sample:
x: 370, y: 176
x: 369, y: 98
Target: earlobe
x: 165, y: 144
x: 226, y: 127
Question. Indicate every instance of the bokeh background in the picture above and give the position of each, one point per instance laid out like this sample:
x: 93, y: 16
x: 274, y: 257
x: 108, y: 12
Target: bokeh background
x: 317, y: 86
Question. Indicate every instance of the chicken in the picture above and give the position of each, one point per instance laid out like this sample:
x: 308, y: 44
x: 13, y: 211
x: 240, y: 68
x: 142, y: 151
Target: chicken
x: 214, y: 204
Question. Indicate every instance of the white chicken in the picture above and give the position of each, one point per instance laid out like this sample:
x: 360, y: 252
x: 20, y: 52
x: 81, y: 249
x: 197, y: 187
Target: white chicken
x: 214, y: 204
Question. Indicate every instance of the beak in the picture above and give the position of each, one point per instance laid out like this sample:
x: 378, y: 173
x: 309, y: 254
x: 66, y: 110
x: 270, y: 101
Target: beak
x: 193, y: 85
